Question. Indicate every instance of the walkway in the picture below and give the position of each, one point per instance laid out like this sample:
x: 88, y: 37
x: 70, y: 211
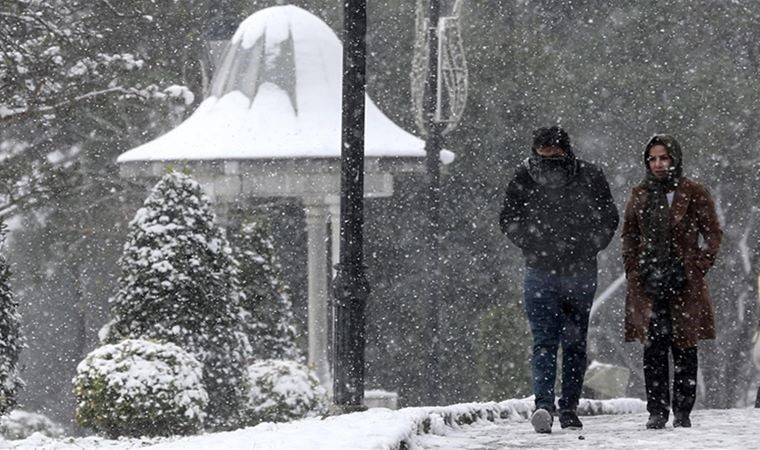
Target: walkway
x: 713, y: 429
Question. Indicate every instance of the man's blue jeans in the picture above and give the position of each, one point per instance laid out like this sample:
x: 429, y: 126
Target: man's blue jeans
x: 558, y: 308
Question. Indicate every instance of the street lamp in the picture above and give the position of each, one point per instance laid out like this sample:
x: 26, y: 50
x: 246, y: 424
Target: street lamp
x: 439, y: 93
x: 350, y: 287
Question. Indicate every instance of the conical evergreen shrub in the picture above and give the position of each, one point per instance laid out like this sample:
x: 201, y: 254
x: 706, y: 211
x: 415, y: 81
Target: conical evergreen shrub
x: 11, y: 341
x: 503, y: 354
x: 266, y: 297
x: 179, y: 285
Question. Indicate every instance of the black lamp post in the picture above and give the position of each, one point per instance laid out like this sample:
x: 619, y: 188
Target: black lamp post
x: 350, y: 287
x: 433, y: 171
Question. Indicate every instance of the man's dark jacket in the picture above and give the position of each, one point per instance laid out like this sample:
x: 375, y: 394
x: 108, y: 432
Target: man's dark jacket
x: 560, y: 229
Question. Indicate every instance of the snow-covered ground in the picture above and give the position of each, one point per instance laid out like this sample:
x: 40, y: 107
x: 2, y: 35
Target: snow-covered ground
x: 465, y: 426
x: 712, y: 429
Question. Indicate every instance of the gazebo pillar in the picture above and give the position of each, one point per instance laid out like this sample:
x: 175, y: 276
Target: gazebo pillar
x: 333, y: 202
x: 316, y: 230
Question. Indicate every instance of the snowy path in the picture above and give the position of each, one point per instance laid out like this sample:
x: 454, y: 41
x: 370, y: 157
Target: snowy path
x: 713, y: 429
x: 620, y: 427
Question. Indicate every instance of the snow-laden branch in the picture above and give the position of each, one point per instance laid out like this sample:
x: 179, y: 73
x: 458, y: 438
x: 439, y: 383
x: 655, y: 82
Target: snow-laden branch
x: 113, y: 9
x: 7, y: 211
x: 121, y: 15
x: 7, y: 114
x: 744, y: 248
x: 19, y: 17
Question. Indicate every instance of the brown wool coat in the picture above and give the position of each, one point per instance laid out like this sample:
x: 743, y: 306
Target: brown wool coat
x: 692, y: 214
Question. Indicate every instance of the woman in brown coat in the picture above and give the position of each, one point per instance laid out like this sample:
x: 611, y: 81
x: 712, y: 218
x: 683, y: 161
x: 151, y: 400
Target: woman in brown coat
x: 668, y: 305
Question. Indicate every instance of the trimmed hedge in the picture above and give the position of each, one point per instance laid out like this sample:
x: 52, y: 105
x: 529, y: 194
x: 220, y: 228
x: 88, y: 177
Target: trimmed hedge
x: 140, y: 388
x: 281, y: 391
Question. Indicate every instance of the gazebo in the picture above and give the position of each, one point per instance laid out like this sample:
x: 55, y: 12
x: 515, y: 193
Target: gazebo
x: 271, y: 128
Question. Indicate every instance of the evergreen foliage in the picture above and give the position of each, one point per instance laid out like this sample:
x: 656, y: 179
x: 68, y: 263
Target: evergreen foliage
x: 266, y: 297
x: 140, y: 388
x: 282, y: 391
x: 179, y: 285
x: 504, y: 354
x: 11, y: 341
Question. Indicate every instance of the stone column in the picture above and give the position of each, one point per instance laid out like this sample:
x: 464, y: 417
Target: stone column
x: 316, y: 228
x: 334, y: 207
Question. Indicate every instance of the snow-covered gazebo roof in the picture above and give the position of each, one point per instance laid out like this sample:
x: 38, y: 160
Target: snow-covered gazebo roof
x: 276, y: 94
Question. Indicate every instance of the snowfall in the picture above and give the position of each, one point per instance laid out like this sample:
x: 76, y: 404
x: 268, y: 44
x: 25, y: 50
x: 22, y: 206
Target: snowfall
x: 616, y: 423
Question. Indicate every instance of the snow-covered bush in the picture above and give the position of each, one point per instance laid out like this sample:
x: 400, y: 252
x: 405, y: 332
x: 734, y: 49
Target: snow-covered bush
x: 140, y: 388
x: 283, y: 390
x: 22, y: 424
x: 179, y: 285
x: 11, y: 341
x: 266, y: 297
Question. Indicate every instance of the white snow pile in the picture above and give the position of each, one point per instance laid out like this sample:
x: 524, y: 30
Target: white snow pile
x: 19, y: 424
x: 377, y: 428
x: 183, y: 92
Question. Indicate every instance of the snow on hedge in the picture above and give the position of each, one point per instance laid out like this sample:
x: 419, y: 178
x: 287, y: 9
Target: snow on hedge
x: 20, y: 424
x: 283, y: 390
x: 138, y: 387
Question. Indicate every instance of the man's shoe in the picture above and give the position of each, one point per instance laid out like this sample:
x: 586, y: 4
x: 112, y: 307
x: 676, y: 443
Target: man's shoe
x: 656, y: 422
x: 542, y: 421
x: 570, y: 420
x: 681, y: 420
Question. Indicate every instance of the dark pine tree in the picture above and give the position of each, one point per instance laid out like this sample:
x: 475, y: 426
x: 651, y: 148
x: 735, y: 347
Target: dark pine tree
x: 11, y: 341
x: 266, y: 297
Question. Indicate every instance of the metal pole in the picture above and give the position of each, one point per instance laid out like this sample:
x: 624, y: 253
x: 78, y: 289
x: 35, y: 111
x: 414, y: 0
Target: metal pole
x: 350, y: 287
x: 433, y: 170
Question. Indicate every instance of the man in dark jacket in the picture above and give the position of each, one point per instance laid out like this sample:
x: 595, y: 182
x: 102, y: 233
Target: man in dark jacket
x: 559, y: 210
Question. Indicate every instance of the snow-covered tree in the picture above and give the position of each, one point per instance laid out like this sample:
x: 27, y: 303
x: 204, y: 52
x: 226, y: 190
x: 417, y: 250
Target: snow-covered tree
x: 270, y: 327
x: 11, y: 341
x: 179, y: 285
